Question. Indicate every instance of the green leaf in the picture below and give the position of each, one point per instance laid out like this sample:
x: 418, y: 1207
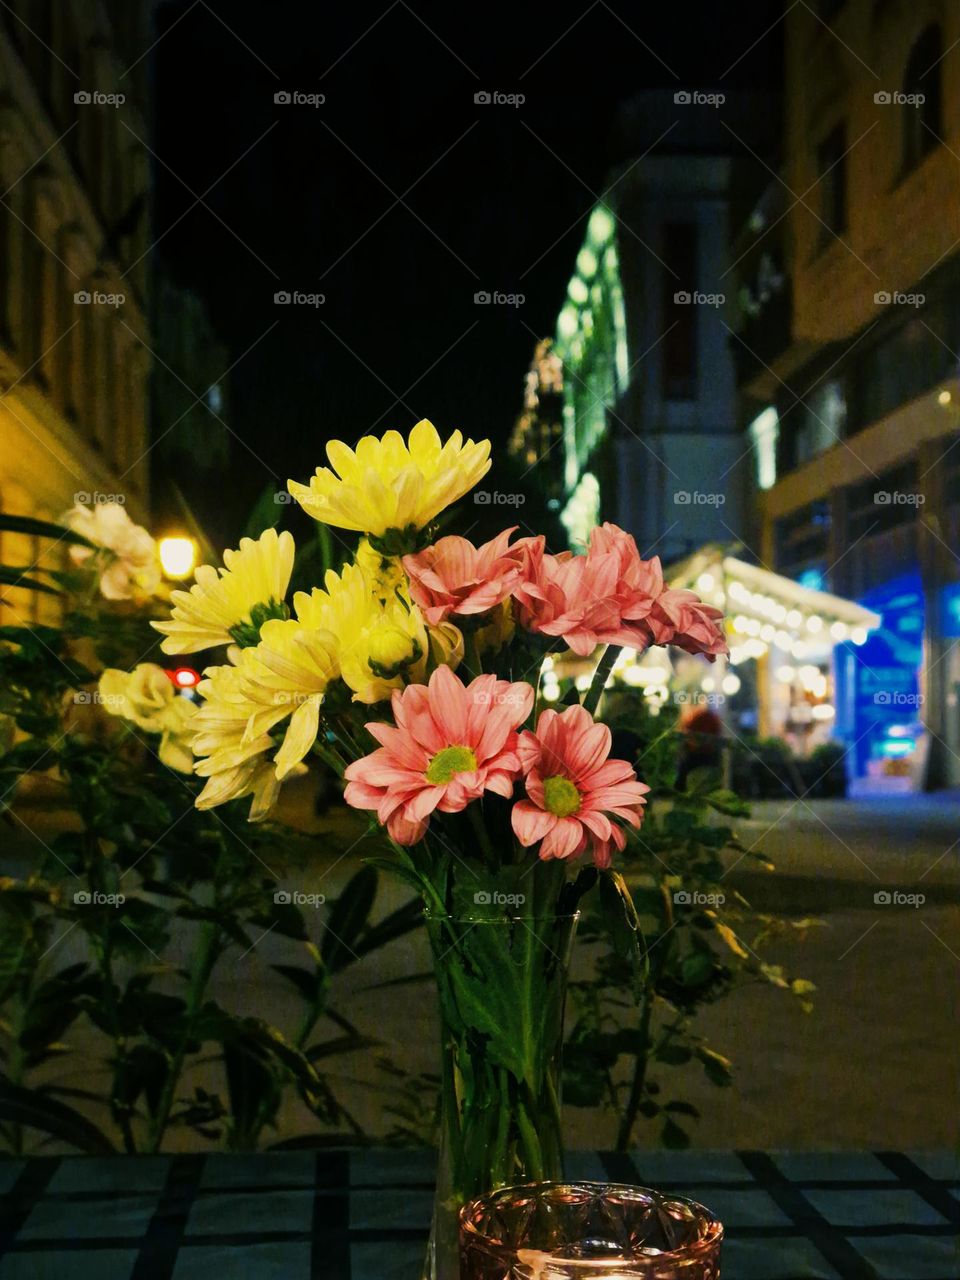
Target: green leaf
x: 265, y: 514
x: 673, y: 1137
x: 36, y: 1111
x: 11, y: 577
x: 41, y: 529
x: 718, y: 1069
x: 347, y: 920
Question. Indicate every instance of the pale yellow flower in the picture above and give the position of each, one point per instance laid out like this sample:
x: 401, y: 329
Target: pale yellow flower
x: 389, y: 488
x: 128, y: 561
x: 232, y: 603
x: 236, y: 763
x: 146, y: 697
x: 291, y: 667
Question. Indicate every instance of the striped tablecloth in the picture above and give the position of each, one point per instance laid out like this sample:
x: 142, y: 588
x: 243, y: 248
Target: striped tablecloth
x: 363, y: 1215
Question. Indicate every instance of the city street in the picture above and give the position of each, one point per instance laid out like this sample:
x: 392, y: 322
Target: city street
x: 874, y: 1065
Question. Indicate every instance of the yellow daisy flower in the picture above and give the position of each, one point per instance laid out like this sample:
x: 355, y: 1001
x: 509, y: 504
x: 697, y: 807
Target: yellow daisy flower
x: 236, y: 763
x: 389, y: 489
x: 381, y: 646
x: 291, y: 666
x: 232, y: 603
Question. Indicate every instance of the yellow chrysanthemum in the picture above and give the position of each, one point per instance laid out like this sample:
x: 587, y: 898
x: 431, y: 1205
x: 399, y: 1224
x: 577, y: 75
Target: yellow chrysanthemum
x: 380, y: 646
x: 390, y: 489
x: 232, y: 603
x: 146, y: 697
x: 236, y: 761
x: 291, y: 666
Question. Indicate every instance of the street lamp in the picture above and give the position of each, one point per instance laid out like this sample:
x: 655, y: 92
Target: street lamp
x: 178, y: 556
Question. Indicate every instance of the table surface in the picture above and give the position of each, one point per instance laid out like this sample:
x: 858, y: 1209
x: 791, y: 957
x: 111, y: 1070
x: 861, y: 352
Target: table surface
x: 363, y: 1215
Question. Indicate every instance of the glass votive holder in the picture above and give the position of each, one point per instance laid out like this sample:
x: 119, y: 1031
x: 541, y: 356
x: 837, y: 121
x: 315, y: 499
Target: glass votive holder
x: 587, y: 1231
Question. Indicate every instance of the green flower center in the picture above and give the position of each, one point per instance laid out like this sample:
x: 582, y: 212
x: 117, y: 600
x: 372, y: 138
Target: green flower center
x: 449, y: 762
x: 247, y: 634
x: 561, y: 796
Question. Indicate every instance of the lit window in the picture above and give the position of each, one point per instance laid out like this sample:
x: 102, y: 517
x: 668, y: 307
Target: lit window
x: 764, y: 432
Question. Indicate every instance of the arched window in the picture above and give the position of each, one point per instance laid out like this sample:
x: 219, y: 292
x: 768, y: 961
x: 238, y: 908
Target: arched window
x: 922, y: 105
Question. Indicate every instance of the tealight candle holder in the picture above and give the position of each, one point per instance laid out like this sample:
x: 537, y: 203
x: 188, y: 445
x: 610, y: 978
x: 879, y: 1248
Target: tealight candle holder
x: 587, y: 1231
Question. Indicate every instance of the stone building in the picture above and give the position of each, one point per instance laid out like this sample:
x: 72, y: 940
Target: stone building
x: 74, y: 238
x: 847, y: 345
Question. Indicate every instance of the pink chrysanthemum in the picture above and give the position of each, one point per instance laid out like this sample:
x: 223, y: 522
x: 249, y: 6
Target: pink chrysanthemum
x: 573, y: 790
x: 450, y: 744
x: 454, y: 577
x: 611, y: 596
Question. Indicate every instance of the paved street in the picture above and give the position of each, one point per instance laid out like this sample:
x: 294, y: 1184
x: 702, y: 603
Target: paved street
x: 875, y: 1065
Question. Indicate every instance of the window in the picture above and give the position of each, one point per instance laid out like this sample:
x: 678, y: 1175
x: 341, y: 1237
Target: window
x: 832, y: 169
x: 679, y: 359
x: 922, y: 99
x: 764, y: 431
x: 803, y: 538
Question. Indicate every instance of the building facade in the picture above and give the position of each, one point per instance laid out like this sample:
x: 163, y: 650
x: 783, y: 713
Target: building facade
x: 651, y: 432
x: 847, y: 340
x: 74, y: 237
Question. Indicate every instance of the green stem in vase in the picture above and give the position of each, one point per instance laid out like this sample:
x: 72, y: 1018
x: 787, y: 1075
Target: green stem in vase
x: 533, y: 1152
x: 598, y: 683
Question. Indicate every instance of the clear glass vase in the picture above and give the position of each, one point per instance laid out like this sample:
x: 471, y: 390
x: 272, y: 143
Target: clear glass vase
x: 501, y: 981
x: 587, y: 1231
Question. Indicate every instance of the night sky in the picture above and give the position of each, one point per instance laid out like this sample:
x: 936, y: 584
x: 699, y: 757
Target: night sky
x: 400, y: 197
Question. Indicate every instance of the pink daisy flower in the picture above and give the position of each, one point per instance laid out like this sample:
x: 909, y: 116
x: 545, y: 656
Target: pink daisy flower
x: 573, y: 790
x: 611, y: 596
x: 454, y: 577
x: 450, y: 743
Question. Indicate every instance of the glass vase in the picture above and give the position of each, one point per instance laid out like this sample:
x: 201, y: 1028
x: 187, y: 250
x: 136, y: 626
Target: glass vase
x: 501, y: 980
x: 587, y: 1231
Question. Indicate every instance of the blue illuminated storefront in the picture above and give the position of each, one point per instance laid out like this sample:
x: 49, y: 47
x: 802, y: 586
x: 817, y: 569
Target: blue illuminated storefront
x: 879, y: 703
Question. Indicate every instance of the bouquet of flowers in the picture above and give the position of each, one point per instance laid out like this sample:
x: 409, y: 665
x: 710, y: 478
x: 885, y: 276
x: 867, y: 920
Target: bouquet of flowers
x: 415, y: 672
